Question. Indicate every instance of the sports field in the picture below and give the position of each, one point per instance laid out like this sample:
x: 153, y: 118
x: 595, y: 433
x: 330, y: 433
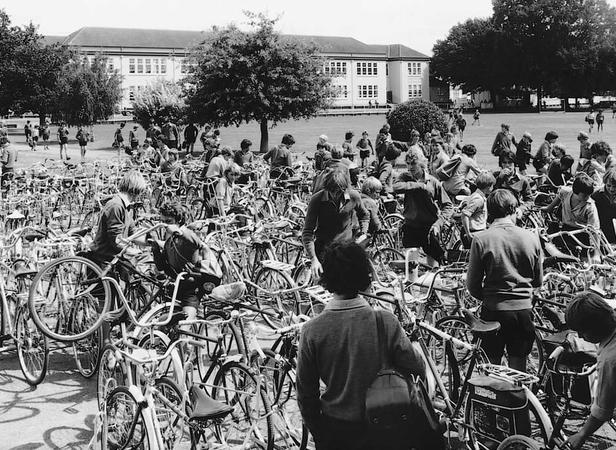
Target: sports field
x: 306, y: 132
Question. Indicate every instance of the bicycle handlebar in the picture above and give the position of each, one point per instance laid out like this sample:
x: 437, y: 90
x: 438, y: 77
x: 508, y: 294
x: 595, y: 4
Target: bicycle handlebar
x: 557, y: 354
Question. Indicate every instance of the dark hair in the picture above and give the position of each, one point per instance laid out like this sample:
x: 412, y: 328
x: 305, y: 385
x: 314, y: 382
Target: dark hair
x: 600, y: 148
x: 583, y: 184
x: 551, y: 135
x: 391, y: 152
x: 245, y: 144
x: 346, y: 269
x: 506, y: 156
x: 589, y: 312
x: 505, y: 126
x: 469, y: 149
x: 217, y: 132
x: 501, y: 203
x: 348, y: 135
x: 288, y: 139
x: 174, y: 209
x: 566, y: 161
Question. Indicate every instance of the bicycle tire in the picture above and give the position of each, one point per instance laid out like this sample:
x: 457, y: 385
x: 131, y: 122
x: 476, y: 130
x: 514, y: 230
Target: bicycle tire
x: 87, y: 351
x: 280, y: 372
x: 32, y: 349
x: 231, y: 386
x: 109, y: 368
x: 273, y: 280
x: 171, y: 423
x: 125, y: 422
x: 42, y: 298
x: 518, y: 442
x: 233, y: 345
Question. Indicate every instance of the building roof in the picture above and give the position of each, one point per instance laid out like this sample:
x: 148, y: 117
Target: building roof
x: 177, y: 39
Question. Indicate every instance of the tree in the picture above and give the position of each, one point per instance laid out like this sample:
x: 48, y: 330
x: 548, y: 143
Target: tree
x: 258, y: 75
x: 29, y: 70
x: 419, y: 115
x: 158, y: 102
x: 86, y: 92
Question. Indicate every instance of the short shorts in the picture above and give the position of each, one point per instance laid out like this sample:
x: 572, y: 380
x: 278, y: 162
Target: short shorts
x: 517, y: 333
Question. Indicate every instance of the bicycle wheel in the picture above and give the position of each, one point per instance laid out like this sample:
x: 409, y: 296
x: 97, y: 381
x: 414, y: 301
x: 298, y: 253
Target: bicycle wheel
x: 250, y: 423
x: 393, y: 222
x: 32, y: 348
x: 279, y: 378
x: 518, y: 442
x: 87, y: 353
x: 167, y: 396
x: 381, y: 260
x: 125, y: 424
x: 110, y: 374
x: 274, y: 280
x: 232, y: 343
x: 63, y: 287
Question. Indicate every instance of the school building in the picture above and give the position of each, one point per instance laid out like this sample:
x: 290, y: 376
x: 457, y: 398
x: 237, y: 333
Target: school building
x: 363, y: 75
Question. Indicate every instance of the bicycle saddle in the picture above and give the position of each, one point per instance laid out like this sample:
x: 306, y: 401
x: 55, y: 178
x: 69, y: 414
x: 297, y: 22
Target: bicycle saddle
x: 24, y: 273
x: 204, y: 407
x: 479, y: 326
x: 228, y: 292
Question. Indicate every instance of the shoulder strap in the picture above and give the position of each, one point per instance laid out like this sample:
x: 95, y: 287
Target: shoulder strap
x: 382, y: 341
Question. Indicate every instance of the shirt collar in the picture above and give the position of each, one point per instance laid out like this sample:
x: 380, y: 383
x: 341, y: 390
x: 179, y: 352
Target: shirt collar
x: 502, y: 222
x: 352, y: 303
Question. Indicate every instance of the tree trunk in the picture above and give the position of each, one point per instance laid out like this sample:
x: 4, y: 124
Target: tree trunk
x: 566, y: 105
x: 264, y: 136
x: 539, y: 96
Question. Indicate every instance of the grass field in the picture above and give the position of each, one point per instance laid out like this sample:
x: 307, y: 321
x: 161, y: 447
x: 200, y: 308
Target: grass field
x: 306, y: 132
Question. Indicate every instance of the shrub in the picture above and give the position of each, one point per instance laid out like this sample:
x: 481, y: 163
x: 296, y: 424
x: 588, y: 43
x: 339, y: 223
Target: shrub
x: 420, y: 115
x: 160, y: 100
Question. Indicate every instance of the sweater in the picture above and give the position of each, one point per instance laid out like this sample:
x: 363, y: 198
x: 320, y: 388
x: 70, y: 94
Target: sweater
x: 505, y: 265
x: 340, y: 347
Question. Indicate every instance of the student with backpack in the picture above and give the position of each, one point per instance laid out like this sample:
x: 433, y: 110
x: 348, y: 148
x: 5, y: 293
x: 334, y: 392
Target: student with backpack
x: 82, y: 138
x: 339, y: 347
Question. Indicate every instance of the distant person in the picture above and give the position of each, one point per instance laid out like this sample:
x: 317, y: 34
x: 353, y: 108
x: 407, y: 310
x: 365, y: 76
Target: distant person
x: 456, y: 184
x: 461, y: 124
x: 118, y: 138
x: 543, y: 157
x: 476, y: 118
x: 153, y: 131
x: 323, y: 153
x: 34, y: 138
x: 382, y: 138
x: 190, y: 137
x: 523, y: 153
x: 347, y: 146
x: 82, y: 137
x: 600, y: 119
x: 63, y: 140
x: 171, y: 133
x: 364, y: 145
x: 133, y: 139
x: 219, y: 163
x: 590, y: 120
x: 28, y: 131
x: 280, y: 158
x: 45, y: 134
x: 8, y: 158
x: 613, y: 110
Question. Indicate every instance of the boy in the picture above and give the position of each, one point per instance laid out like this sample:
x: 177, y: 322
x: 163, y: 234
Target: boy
x: 475, y: 212
x: 182, y: 252
x: 370, y: 193
x: 132, y: 138
x: 82, y: 137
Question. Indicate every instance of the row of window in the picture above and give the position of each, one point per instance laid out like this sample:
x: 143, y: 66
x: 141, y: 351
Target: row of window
x: 340, y: 91
x: 414, y: 68
x: 367, y: 68
x: 414, y: 90
x: 368, y: 91
x: 147, y: 65
x: 335, y: 68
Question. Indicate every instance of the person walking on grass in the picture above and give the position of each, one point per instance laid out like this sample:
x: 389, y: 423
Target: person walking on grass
x: 45, y: 134
x: 63, y: 141
x: 600, y: 119
x: 476, y: 117
x: 34, y: 138
x: 590, y: 120
x: 82, y: 138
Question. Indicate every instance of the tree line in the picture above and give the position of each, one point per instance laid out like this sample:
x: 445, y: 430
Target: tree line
x: 561, y: 48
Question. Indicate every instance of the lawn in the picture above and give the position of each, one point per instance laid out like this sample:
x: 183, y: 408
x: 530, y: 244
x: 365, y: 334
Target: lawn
x: 306, y: 132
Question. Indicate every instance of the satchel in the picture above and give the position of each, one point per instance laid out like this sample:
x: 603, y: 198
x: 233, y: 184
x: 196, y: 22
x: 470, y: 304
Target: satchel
x: 447, y: 170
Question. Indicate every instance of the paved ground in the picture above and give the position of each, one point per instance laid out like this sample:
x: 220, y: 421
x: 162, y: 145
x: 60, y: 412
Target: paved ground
x: 567, y: 125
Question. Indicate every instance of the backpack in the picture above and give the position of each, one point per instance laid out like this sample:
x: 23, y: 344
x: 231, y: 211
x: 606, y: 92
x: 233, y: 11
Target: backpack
x: 397, y: 409
x: 447, y: 170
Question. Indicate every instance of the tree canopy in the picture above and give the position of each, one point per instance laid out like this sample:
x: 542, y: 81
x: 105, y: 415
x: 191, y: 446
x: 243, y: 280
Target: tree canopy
x: 559, y: 47
x: 86, y: 92
x: 256, y: 75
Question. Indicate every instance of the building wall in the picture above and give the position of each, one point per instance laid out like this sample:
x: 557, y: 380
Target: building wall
x: 359, y: 82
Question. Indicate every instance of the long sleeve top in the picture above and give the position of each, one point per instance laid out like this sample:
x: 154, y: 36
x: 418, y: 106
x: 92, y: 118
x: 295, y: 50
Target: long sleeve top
x: 338, y: 347
x: 422, y: 199
x: 505, y: 264
x: 330, y: 217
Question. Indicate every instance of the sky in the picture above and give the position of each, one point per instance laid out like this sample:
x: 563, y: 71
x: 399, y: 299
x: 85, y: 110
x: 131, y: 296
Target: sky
x: 415, y: 23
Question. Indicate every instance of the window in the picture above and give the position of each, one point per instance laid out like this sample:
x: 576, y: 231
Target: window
x: 341, y: 91
x: 131, y: 65
x: 185, y: 66
x: 163, y: 65
x: 139, y: 65
x: 368, y: 91
x: 414, y: 68
x: 148, y: 65
x: 367, y: 68
x: 414, y: 90
x: 155, y: 66
x: 335, y: 68
x: 131, y: 93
